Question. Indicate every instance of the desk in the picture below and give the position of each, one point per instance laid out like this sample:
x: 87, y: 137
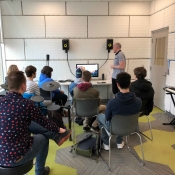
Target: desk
x: 94, y: 83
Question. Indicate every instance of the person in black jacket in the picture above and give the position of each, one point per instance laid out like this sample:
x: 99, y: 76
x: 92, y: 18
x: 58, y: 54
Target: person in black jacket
x: 143, y: 89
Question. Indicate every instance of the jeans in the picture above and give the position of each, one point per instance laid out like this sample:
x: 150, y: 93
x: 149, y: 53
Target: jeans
x: 60, y: 96
x: 39, y: 148
x: 102, y: 122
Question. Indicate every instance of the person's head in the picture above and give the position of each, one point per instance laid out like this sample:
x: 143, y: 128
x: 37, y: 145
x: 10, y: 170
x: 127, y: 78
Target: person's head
x: 140, y: 72
x: 12, y: 67
x: 30, y: 71
x: 78, y: 73
x: 86, y: 76
x: 16, y: 81
x: 117, y: 47
x: 123, y: 80
x: 47, y: 70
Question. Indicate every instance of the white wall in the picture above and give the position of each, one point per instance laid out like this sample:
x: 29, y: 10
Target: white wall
x: 34, y: 29
x: 163, y: 15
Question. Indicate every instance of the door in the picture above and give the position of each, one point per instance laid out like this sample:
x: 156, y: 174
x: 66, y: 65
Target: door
x: 159, y: 65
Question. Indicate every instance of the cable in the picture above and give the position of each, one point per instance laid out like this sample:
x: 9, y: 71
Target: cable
x: 98, y: 68
x: 69, y: 66
x: 104, y: 62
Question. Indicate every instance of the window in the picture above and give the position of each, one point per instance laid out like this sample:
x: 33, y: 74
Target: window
x: 160, y: 52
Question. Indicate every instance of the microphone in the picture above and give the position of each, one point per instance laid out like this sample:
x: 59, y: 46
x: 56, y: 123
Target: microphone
x: 47, y: 57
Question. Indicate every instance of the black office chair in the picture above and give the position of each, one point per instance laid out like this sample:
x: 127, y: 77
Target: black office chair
x: 47, y: 97
x: 5, y: 87
x: 85, y: 108
x: 123, y: 126
x: 19, y: 170
x: 146, y: 112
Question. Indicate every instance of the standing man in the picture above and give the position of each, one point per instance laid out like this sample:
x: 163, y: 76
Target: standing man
x: 118, y: 66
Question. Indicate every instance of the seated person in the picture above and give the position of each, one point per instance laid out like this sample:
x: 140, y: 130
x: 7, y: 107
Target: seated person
x: 12, y: 67
x: 21, y: 118
x: 58, y: 96
x: 32, y: 87
x: 77, y: 81
x: 85, y: 90
x: 124, y: 103
x: 143, y: 89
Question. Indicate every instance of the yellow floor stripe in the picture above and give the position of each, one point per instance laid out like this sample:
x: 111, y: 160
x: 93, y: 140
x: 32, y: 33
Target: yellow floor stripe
x: 160, y: 149
x: 145, y: 120
x: 57, y: 169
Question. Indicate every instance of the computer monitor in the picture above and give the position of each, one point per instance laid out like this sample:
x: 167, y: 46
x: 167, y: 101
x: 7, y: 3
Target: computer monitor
x: 93, y: 68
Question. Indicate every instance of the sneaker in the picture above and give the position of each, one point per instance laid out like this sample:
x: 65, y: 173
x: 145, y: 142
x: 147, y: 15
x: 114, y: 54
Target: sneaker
x: 121, y: 145
x: 86, y: 128
x: 61, y: 138
x: 105, y: 147
x: 46, y: 171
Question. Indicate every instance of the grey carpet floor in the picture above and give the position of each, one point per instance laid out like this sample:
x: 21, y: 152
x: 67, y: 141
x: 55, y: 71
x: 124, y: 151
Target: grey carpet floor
x: 122, y: 161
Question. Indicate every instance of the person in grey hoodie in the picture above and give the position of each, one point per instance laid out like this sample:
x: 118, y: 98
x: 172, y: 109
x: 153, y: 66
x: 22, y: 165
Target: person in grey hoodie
x: 124, y: 103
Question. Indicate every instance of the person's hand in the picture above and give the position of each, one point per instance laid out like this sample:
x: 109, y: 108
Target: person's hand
x: 112, y: 66
x: 62, y: 130
x: 62, y: 91
x: 82, y: 68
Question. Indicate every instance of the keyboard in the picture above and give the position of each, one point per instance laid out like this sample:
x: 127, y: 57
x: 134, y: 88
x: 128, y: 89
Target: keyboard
x: 170, y: 89
x: 63, y: 81
x: 101, y: 82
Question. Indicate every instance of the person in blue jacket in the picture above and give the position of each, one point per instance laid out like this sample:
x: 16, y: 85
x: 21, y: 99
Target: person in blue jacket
x: 58, y: 96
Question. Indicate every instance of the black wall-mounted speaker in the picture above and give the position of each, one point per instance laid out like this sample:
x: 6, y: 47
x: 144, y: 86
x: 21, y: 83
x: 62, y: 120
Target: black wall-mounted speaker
x: 65, y: 44
x: 109, y: 44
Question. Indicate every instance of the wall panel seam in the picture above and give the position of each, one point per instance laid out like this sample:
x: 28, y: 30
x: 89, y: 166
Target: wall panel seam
x: 83, y: 38
x: 74, y: 15
x: 162, y: 9
x: 21, y: 8
x: 24, y: 50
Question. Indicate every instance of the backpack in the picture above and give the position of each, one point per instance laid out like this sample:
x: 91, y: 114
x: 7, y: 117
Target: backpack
x: 89, y: 146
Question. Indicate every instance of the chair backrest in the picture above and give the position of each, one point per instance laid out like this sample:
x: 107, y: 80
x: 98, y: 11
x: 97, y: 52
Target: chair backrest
x: 19, y: 170
x: 124, y: 125
x: 45, y: 94
x: 147, y: 107
x: 86, y: 107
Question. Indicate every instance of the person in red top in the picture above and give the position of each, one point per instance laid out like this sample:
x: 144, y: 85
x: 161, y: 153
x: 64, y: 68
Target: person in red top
x: 19, y: 117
